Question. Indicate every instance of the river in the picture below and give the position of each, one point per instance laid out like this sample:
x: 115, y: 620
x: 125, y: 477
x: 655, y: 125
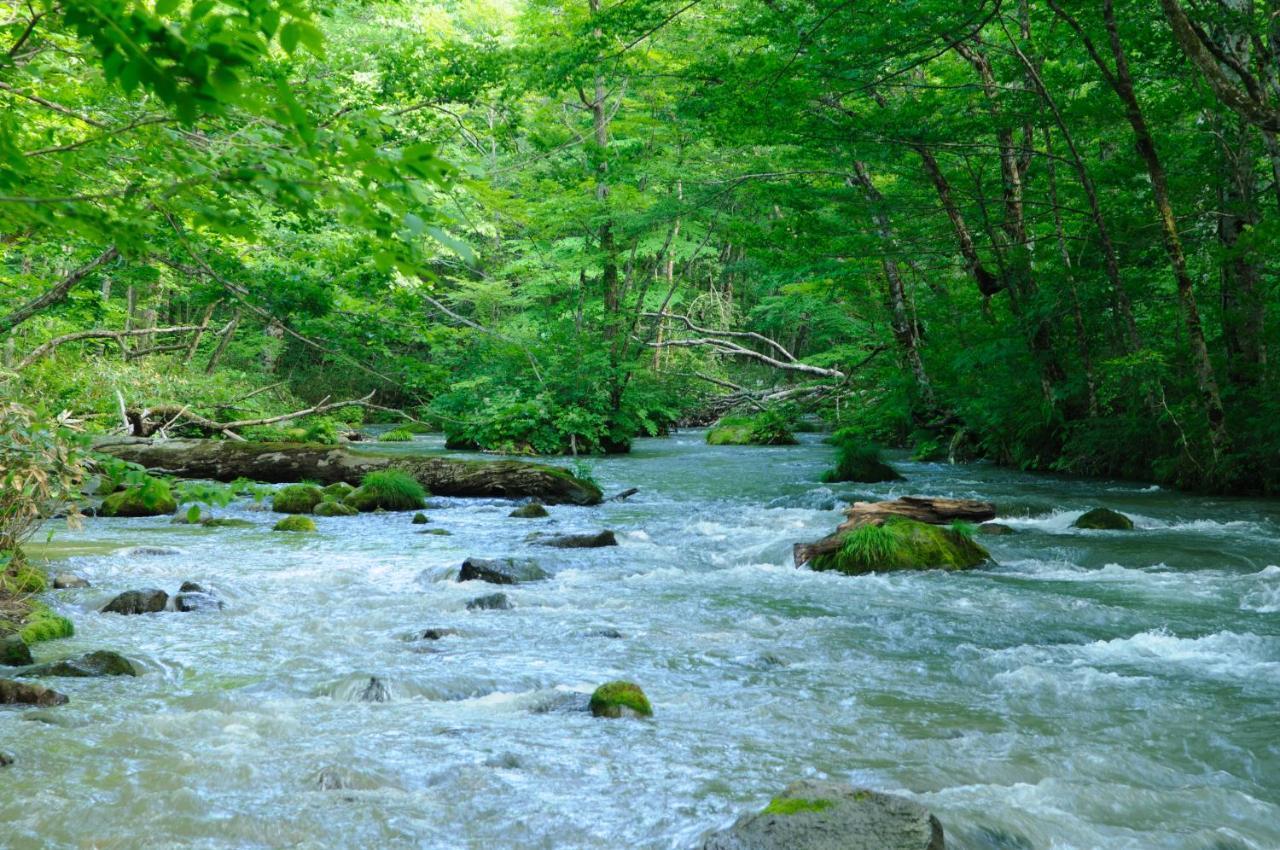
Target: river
x: 1116, y: 690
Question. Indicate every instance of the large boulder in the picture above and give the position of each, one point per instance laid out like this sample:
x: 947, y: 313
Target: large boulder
x: 26, y: 693
x: 14, y: 652
x: 148, y: 601
x: 619, y: 699
x: 150, y: 499
x: 814, y: 815
x: 1104, y: 519
x: 103, y: 662
x: 579, y: 541
x: 501, y: 571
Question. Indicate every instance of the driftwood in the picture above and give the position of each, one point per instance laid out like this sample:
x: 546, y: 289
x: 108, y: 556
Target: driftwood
x: 222, y: 460
x: 921, y: 509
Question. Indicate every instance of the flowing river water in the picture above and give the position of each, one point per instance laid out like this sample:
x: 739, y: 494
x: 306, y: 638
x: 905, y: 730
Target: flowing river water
x: 1107, y: 690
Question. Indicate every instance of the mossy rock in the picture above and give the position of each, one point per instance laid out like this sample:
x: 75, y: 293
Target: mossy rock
x: 533, y: 510
x: 861, y: 463
x: 994, y: 528
x: 901, y: 544
x: 20, y: 577
x: 42, y: 624
x: 14, y: 652
x: 437, y: 532
x: 397, y: 435
x: 297, y: 499
x: 388, y: 490
x: 297, y: 522
x: 420, y: 519
x: 338, y: 490
x: 1104, y: 519
x: 747, y: 431
x: 620, y: 699
x: 103, y: 662
x: 330, y: 507
x: 225, y: 522
x: 150, y: 499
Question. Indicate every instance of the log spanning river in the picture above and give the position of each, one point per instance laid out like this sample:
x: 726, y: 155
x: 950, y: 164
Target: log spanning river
x: 1116, y: 690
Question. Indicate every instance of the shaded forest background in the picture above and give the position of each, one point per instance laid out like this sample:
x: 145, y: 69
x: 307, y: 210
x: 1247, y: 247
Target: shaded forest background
x: 1038, y: 232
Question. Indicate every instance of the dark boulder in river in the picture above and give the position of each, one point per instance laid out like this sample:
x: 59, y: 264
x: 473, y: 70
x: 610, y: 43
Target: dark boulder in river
x: 813, y: 815
x: 501, y: 571
x: 491, y: 602
x: 225, y: 460
x: 1104, y: 519
x: 194, y: 597
x: 14, y: 652
x: 103, y: 662
x: 579, y: 541
x: 138, y: 602
x: 435, y: 634
x: 25, y: 693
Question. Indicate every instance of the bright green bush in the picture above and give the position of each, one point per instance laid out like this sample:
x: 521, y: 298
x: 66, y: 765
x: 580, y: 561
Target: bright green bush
x: 398, y: 435
x: 388, y: 490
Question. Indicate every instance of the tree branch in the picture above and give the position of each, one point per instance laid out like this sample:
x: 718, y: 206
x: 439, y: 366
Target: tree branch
x: 56, y: 293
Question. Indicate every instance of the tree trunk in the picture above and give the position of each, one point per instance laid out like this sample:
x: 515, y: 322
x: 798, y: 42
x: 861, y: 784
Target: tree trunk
x: 223, y: 460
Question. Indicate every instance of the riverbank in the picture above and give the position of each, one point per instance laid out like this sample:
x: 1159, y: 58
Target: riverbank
x: 1059, y: 697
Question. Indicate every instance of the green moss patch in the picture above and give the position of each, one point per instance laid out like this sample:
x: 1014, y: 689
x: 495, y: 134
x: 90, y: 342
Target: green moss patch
x: 795, y: 805
x: 330, y: 507
x: 296, y: 522
x: 42, y: 624
x: 901, y: 544
x: 860, y: 462
x: 760, y: 430
x: 297, y: 499
x: 150, y: 499
x: 388, y: 490
x: 398, y: 435
x: 618, y: 699
x: 339, y: 490
x: 19, y: 577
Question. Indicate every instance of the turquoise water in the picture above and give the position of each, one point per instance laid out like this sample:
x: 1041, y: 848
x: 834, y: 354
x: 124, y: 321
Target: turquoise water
x: 1108, y: 690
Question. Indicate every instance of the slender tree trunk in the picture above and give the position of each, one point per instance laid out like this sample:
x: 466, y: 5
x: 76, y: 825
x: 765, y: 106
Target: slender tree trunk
x: 988, y: 284
x: 57, y: 293
x: 227, y: 333
x: 905, y: 331
x: 1121, y: 83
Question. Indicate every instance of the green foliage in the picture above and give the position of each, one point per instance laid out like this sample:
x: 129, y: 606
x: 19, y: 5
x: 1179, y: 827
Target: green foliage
x: 332, y: 507
x: 795, y: 805
x: 857, y: 461
x: 398, y: 435
x: 151, y: 498
x: 964, y: 529
x: 388, y: 490
x: 901, y: 544
x: 767, y: 428
x: 43, y: 624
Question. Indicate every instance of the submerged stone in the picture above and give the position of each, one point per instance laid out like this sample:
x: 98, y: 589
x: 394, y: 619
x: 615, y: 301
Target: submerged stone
x: 580, y: 541
x: 147, y: 601
x: 436, y: 634
x: 501, y: 571
x: 438, y: 532
x: 490, y: 602
x: 68, y: 581
x: 994, y: 528
x: 814, y: 815
x: 420, y: 519
x: 26, y: 693
x: 533, y: 510
x: 103, y: 662
x: 225, y: 522
x: 620, y: 699
x: 901, y: 544
x: 1104, y: 519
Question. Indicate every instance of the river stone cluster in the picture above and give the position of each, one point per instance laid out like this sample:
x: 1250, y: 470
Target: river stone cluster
x: 813, y: 815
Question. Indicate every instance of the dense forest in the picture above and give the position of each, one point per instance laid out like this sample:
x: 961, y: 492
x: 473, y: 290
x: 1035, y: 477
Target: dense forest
x: 1041, y: 233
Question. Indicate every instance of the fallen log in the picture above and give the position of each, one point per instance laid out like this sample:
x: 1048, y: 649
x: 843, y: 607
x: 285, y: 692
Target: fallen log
x: 222, y: 460
x: 918, y: 508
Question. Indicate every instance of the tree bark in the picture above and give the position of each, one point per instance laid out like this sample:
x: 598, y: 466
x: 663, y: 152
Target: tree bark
x: 57, y: 293
x: 223, y: 460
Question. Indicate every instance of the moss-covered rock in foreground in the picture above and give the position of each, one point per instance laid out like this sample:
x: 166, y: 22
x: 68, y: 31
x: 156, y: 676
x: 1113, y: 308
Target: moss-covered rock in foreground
x: 150, y: 499
x: 295, y: 523
x: 296, y: 499
x: 388, y: 490
x: 901, y: 544
x: 620, y: 699
x: 1104, y: 519
x: 815, y: 815
x: 338, y: 490
x: 42, y: 624
x: 750, y: 431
